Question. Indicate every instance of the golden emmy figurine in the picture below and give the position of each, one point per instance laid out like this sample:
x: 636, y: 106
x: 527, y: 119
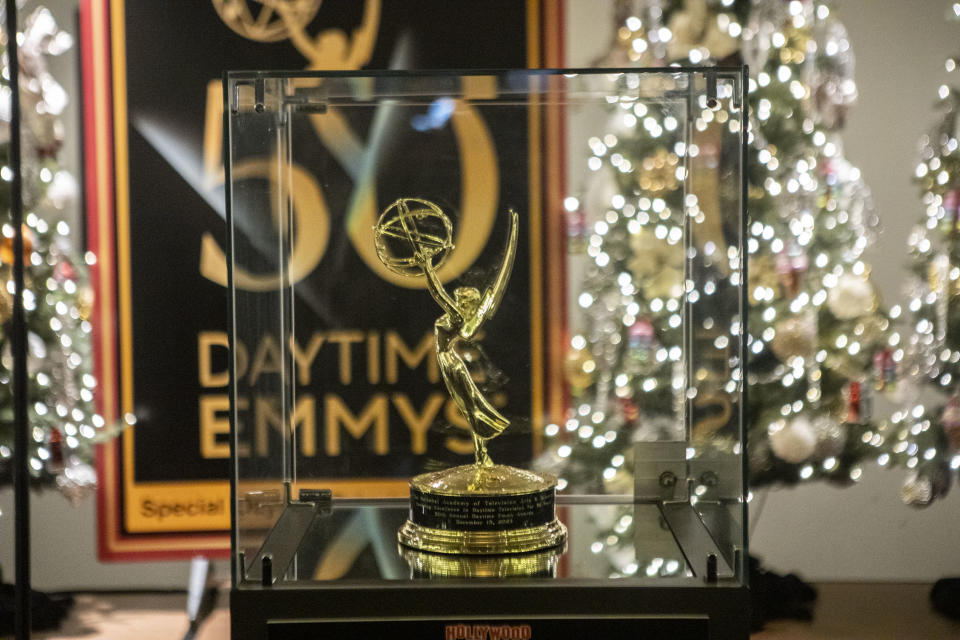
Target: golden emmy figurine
x: 481, y: 508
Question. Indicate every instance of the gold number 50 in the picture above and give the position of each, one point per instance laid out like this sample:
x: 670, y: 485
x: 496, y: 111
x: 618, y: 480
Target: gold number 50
x: 479, y: 192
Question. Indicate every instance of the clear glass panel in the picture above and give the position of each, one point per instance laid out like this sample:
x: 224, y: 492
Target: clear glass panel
x: 714, y: 309
x: 259, y: 228
x: 615, y: 352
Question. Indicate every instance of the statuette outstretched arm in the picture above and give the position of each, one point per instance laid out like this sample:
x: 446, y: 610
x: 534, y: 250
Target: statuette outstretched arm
x: 440, y: 294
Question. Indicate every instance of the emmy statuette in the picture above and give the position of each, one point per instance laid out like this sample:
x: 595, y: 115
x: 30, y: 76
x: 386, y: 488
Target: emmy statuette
x: 481, y: 508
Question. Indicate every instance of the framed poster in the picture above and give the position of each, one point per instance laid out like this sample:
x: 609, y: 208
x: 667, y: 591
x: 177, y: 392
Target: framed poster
x: 155, y: 209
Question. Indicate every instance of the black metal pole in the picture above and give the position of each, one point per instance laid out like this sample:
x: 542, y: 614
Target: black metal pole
x: 21, y: 469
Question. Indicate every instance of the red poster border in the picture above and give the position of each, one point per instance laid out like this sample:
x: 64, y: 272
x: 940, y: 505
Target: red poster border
x: 100, y: 198
x: 545, y: 50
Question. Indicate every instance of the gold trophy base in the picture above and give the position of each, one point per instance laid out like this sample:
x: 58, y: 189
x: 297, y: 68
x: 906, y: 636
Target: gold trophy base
x: 540, y: 564
x: 513, y: 541
x: 474, y: 510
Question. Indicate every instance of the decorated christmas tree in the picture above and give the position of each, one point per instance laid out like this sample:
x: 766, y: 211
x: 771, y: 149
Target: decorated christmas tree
x: 815, y: 326
x: 927, y: 440
x: 57, y: 300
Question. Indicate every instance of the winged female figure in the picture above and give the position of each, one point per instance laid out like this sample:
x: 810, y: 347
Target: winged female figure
x: 465, y: 312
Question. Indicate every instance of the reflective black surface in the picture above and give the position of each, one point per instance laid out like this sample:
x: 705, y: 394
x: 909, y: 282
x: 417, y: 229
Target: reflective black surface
x: 357, y: 541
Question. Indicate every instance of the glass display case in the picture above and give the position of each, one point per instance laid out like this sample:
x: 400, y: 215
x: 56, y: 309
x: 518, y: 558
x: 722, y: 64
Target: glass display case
x: 442, y: 273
